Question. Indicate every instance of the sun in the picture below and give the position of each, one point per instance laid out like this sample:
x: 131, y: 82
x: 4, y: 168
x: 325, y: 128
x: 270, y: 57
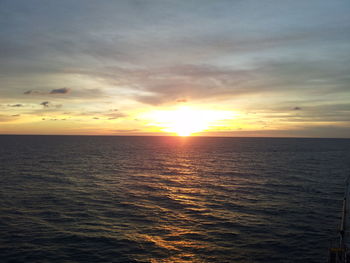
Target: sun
x: 186, y: 121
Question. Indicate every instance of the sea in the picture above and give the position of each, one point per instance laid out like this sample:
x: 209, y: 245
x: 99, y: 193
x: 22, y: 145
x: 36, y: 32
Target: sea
x: 170, y: 199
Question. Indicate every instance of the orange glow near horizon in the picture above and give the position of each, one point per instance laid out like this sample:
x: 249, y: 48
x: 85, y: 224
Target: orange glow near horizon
x: 186, y: 121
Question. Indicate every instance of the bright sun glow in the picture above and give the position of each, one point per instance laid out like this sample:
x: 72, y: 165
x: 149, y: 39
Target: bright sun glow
x: 186, y: 121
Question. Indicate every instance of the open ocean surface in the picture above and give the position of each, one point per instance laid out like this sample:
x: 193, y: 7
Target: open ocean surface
x: 170, y: 199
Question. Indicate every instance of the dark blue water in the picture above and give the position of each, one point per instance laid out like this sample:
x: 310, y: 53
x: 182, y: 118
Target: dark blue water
x: 169, y: 199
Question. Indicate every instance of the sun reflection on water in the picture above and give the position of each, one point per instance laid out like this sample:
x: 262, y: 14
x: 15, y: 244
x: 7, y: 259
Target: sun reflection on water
x: 184, y: 236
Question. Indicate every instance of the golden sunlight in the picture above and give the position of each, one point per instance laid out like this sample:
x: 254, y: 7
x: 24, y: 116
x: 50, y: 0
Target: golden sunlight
x: 185, y: 121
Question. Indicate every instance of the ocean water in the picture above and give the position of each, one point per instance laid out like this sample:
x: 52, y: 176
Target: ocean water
x: 169, y: 199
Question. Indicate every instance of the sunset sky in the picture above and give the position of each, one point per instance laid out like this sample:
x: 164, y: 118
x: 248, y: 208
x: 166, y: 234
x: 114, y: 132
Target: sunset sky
x: 211, y: 68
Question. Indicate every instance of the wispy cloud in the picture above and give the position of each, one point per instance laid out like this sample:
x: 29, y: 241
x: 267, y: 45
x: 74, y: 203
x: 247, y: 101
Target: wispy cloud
x: 106, y: 115
x: 125, y: 131
x: 15, y: 105
x: 8, y: 118
x: 46, y: 104
x: 32, y: 92
x: 191, y: 82
x: 113, y: 116
x: 60, y: 91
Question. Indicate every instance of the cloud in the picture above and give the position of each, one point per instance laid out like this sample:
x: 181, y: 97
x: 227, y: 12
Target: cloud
x: 60, y: 91
x: 53, y: 119
x: 32, y: 92
x: 52, y: 92
x: 46, y: 104
x: 16, y: 105
x: 179, y: 83
x: 6, y: 118
x: 168, y: 84
x: 115, y: 115
x: 125, y: 130
x: 83, y: 93
x: 98, y: 115
x: 313, y: 112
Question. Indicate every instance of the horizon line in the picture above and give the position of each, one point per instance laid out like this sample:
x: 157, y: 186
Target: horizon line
x: 202, y: 136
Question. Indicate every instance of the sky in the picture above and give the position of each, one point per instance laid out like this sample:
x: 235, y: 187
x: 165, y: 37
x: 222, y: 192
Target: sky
x: 276, y: 68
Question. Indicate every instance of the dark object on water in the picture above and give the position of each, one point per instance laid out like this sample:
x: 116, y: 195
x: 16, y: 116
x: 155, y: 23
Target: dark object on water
x: 340, y: 252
